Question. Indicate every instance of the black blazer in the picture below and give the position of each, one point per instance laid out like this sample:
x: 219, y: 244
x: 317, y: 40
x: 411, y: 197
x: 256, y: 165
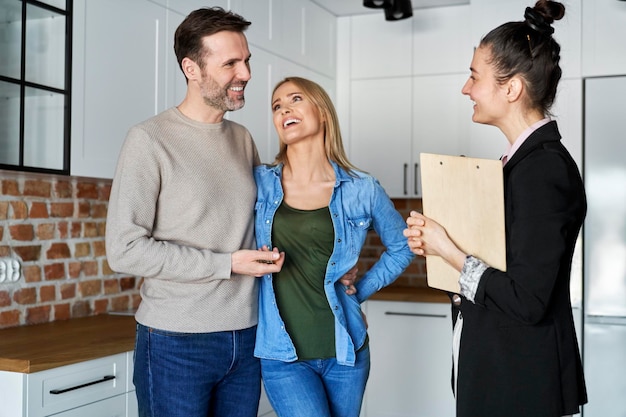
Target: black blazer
x: 519, y: 354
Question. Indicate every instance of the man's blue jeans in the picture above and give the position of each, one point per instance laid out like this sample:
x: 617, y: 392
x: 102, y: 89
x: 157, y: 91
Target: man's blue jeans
x: 316, y: 388
x: 196, y: 374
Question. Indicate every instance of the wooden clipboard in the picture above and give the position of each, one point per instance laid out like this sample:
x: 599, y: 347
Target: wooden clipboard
x: 466, y: 196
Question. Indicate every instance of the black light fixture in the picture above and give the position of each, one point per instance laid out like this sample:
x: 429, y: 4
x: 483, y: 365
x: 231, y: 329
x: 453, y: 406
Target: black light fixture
x: 377, y: 4
x: 398, y: 10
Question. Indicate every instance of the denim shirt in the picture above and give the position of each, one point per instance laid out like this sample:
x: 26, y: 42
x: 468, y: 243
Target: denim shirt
x: 358, y: 204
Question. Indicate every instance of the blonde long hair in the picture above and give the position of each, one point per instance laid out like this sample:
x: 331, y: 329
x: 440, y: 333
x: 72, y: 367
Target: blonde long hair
x: 333, y: 144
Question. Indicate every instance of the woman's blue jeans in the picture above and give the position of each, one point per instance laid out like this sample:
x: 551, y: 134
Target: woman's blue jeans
x: 196, y: 374
x: 316, y: 388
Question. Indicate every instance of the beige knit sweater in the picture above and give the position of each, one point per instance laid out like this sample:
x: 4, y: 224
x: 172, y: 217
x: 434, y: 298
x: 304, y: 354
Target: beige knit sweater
x: 182, y: 201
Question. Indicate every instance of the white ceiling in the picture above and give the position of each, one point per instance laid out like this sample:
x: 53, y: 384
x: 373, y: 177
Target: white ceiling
x: 355, y: 7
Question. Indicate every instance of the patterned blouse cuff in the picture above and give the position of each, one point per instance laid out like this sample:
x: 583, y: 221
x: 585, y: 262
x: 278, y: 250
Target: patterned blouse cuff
x: 472, y: 271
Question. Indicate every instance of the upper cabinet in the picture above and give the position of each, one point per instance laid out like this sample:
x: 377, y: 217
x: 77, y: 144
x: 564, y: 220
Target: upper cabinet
x: 391, y: 127
x: 381, y: 129
x: 379, y: 48
x: 433, y: 41
x: 404, y: 89
x: 298, y: 31
x: 603, y: 33
x: 440, y: 41
x: 116, y: 83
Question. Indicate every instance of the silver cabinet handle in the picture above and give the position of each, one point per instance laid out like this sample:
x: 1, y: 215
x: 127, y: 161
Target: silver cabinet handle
x: 415, y: 173
x: 406, y: 167
x: 87, y: 384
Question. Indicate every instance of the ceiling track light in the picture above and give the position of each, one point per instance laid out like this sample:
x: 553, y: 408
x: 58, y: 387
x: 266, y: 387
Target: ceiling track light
x: 398, y: 10
x: 377, y: 4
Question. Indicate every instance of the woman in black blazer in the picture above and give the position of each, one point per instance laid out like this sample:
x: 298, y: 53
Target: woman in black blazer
x: 515, y: 347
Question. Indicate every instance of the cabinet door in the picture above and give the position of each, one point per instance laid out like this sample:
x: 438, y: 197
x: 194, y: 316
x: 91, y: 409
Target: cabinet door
x: 380, y: 126
x: 114, y: 85
x: 411, y: 354
x: 603, y: 33
x: 380, y: 48
x: 441, y: 114
x: 439, y: 29
x: 320, y: 40
x: 111, y: 407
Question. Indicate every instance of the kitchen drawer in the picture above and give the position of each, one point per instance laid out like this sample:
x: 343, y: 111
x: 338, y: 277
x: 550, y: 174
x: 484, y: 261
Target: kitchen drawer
x: 72, y: 386
x: 111, y: 407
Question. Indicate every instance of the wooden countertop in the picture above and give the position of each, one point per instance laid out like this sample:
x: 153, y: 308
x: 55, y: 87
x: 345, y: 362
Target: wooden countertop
x: 40, y: 347
x: 412, y: 294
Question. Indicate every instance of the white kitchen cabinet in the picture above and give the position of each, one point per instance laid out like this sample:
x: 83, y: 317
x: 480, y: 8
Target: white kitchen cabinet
x: 392, y: 120
x: 441, y: 114
x: 296, y: 30
x: 320, y: 40
x: 381, y: 128
x: 114, y: 85
x: 380, y: 48
x: 441, y: 44
x: 96, y: 388
x: 603, y: 33
x: 411, y: 360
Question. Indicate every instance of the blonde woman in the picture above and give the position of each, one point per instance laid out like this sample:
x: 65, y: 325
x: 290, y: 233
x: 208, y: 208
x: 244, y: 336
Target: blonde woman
x: 315, y: 206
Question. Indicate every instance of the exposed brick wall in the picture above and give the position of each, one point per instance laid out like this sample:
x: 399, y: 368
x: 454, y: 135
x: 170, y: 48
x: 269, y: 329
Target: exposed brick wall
x: 55, y: 225
x: 415, y: 274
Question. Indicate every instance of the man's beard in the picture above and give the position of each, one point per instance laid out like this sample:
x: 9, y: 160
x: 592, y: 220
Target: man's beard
x: 217, y: 96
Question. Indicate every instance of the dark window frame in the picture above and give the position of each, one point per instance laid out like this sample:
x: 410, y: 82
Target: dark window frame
x: 66, y: 92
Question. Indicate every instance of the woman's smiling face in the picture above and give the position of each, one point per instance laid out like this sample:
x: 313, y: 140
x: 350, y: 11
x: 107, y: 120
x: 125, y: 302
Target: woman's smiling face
x: 482, y: 88
x: 295, y: 116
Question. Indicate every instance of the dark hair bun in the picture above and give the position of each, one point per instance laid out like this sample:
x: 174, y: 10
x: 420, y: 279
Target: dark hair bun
x: 540, y: 17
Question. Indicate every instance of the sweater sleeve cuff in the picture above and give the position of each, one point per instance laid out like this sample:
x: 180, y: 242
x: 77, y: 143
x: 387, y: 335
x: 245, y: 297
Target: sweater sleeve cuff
x: 222, y: 264
x: 472, y: 271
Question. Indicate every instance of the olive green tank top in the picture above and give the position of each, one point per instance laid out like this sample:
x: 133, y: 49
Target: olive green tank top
x: 307, y: 238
